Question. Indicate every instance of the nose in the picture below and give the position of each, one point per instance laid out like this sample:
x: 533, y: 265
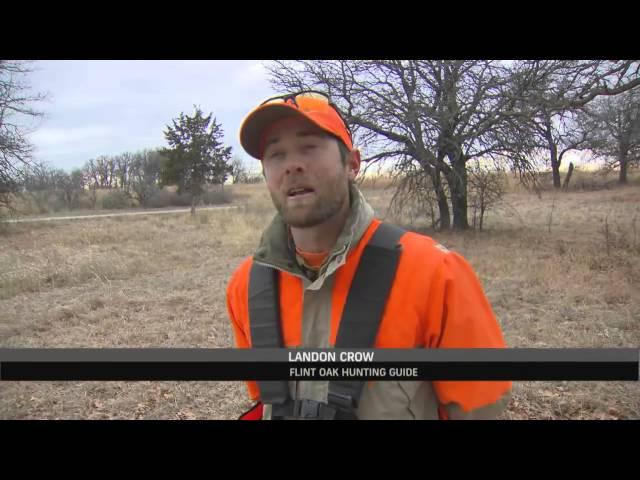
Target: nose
x: 296, y: 169
x: 295, y: 164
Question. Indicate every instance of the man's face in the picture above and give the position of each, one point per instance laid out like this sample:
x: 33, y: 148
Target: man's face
x: 305, y: 175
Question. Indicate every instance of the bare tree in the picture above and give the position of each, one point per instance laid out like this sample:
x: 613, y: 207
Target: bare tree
x: 122, y: 165
x: 239, y: 171
x: 557, y: 135
x: 436, y: 114
x: 71, y: 186
x: 487, y: 186
x: 442, y: 114
x: 110, y: 170
x: 557, y: 92
x: 414, y: 196
x: 15, y: 107
x: 615, y: 126
x: 103, y: 170
x: 561, y: 85
x: 137, y: 173
x: 145, y: 174
x: 91, y: 173
x: 38, y: 182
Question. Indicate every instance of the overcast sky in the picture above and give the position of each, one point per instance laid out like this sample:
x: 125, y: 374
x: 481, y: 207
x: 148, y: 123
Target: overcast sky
x: 107, y: 107
x: 110, y: 107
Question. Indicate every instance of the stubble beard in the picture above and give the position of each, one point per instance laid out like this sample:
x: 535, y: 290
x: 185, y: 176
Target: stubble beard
x: 328, y: 201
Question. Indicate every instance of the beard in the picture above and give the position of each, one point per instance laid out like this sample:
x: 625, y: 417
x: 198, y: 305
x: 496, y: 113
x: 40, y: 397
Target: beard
x: 328, y: 199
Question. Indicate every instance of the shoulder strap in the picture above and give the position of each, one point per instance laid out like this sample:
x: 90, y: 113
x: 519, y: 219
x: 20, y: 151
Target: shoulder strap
x: 365, y: 305
x: 359, y: 325
x: 264, y: 322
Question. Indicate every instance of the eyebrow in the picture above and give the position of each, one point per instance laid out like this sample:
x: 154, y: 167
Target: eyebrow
x: 301, y: 134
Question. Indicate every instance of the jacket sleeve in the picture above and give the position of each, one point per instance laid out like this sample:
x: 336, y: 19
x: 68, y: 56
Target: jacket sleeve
x: 462, y: 318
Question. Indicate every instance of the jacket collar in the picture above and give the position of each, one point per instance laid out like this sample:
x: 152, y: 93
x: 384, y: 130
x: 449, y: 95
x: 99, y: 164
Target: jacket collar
x: 276, y: 248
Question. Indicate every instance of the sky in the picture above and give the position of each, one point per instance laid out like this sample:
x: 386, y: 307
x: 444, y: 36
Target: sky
x: 110, y: 107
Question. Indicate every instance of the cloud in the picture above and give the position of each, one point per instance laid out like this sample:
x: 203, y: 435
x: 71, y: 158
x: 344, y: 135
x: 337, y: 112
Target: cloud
x: 53, y: 137
x: 252, y: 74
x: 108, y: 107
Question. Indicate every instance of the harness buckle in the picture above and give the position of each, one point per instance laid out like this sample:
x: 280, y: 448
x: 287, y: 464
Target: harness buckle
x: 305, y: 408
x: 344, y: 402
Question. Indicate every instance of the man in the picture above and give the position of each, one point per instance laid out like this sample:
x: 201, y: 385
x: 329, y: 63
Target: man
x: 324, y: 234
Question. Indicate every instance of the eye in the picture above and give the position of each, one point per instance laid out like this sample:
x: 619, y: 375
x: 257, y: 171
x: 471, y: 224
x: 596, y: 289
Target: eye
x: 275, y: 155
x: 309, y: 147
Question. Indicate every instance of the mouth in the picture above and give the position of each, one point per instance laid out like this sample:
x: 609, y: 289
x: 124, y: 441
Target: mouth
x: 300, y: 192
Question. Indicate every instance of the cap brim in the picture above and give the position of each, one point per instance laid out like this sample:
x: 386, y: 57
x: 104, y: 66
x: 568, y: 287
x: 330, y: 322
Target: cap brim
x: 253, y: 126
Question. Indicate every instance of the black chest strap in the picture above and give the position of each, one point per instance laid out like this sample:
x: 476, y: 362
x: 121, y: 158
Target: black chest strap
x: 266, y: 329
x: 359, y: 324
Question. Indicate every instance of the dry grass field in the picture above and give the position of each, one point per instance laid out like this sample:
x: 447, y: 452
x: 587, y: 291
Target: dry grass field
x: 560, y: 269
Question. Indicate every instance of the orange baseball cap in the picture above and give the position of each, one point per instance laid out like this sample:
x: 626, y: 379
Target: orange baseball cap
x: 314, y: 106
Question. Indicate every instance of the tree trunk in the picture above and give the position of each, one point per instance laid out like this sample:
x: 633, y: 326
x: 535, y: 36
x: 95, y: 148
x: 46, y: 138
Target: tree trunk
x: 623, y: 169
x: 194, y: 198
x: 567, y: 178
x: 459, y: 203
x: 443, y: 204
x: 443, y: 209
x: 555, y: 166
x: 458, y: 186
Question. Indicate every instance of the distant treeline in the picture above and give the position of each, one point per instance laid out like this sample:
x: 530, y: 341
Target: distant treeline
x: 126, y: 180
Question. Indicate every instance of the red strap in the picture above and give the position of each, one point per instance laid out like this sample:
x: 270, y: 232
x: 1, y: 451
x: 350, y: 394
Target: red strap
x: 442, y: 413
x: 255, y: 413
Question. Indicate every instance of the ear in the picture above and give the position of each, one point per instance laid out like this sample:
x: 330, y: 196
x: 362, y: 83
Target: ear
x: 354, y: 164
